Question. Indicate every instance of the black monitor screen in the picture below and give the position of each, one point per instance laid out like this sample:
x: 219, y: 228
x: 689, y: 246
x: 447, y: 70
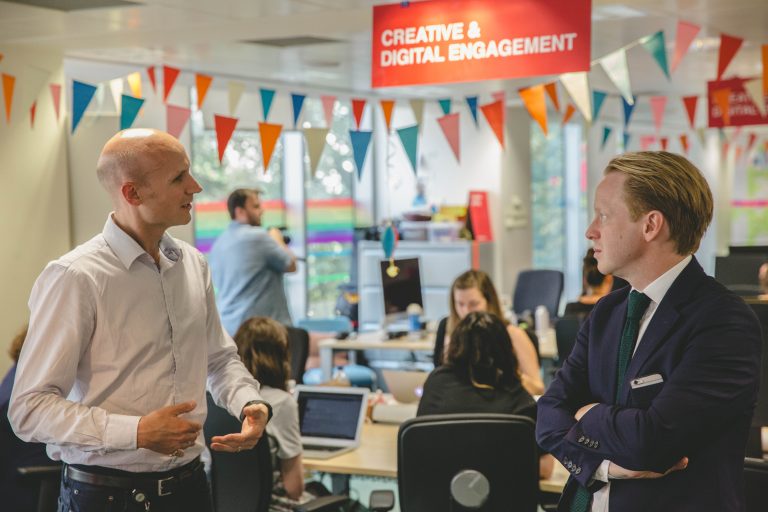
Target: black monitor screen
x: 330, y: 415
x: 402, y: 288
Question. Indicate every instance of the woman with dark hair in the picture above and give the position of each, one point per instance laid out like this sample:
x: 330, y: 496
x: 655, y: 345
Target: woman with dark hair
x: 480, y: 375
x: 474, y: 291
x: 594, y: 285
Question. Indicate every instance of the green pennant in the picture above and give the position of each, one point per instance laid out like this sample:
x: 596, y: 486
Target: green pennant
x: 409, y: 137
x: 655, y: 46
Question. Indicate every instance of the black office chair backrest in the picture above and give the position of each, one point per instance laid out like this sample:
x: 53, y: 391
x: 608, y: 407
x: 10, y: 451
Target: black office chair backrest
x: 566, y: 329
x: 538, y: 287
x: 298, y: 345
x: 432, y: 450
x: 756, y: 484
x: 241, y: 482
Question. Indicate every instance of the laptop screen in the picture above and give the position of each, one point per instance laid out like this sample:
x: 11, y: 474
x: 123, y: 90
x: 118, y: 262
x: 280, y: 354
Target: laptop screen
x: 329, y: 415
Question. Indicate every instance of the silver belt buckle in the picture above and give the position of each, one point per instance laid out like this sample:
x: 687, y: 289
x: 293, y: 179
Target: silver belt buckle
x: 160, y: 491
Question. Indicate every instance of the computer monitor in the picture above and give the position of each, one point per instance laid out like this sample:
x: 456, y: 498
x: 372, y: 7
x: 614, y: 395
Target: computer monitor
x: 400, y: 288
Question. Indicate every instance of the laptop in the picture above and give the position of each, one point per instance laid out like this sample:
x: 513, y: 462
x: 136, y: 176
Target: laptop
x: 406, y: 386
x: 330, y: 419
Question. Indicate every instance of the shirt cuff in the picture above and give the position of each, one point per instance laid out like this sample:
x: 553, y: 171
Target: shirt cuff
x: 601, y: 473
x: 256, y: 402
x: 121, y: 432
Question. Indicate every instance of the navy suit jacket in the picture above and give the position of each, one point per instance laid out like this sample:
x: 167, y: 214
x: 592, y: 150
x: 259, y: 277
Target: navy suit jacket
x: 705, y: 343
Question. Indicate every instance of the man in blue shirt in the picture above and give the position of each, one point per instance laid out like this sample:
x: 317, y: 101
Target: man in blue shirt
x: 248, y: 263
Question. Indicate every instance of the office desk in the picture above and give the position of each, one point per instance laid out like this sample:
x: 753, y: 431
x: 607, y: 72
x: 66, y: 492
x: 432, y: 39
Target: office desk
x: 369, y: 341
x: 377, y: 456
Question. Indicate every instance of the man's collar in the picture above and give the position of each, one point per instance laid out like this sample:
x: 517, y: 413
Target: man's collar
x: 127, y: 249
x: 659, y: 287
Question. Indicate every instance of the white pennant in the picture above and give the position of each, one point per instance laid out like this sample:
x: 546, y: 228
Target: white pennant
x: 615, y: 66
x: 116, y: 86
x: 754, y: 89
x: 235, y: 93
x: 577, y: 85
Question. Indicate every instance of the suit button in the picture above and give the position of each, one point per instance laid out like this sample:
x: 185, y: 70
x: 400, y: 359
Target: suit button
x: 587, y: 441
x: 597, y: 444
x: 578, y: 470
x: 569, y: 465
x: 592, y: 444
x: 581, y: 439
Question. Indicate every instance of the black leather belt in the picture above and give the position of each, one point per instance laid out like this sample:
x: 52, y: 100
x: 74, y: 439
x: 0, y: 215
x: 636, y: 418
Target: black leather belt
x: 159, y: 484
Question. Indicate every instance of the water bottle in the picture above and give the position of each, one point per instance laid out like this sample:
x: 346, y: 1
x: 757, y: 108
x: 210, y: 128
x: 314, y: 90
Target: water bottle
x: 541, y: 318
x: 414, y: 321
x: 340, y: 377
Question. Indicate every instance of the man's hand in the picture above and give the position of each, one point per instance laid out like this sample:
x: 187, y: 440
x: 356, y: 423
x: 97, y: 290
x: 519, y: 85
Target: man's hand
x: 276, y: 235
x: 254, y: 423
x: 163, y: 431
x: 582, y: 411
x: 617, y: 472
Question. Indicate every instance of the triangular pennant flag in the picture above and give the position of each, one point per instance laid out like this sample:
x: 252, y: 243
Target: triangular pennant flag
x: 656, y: 46
x: 169, y: 78
x: 502, y: 97
x: 134, y: 84
x: 315, y: 145
x: 202, y: 84
x: 606, y: 133
x: 297, y: 102
x: 235, y: 91
x: 726, y: 148
x: 729, y: 45
x: 686, y: 33
x: 739, y: 152
x: 82, y: 94
x: 1, y: 56
x: 32, y: 111
x: 684, y: 143
x: 152, y: 79
x: 494, y: 114
x: 701, y: 135
x: 328, y: 102
x: 176, y: 119
x: 615, y: 66
x: 628, y: 109
x: 449, y: 123
x: 754, y: 90
x: 646, y: 141
x: 598, y: 97
x: 577, y: 85
x: 722, y: 98
x: 625, y: 140
x: 569, y: 110
x: 358, y: 107
x: 664, y: 143
x: 360, y: 141
x: 267, y: 95
x: 690, y: 107
x: 445, y: 105
x: 658, y: 104
x: 386, y: 107
x: 225, y: 127
x: 551, y: 89
x: 129, y: 110
x: 268, y: 133
x: 56, y: 97
x: 418, y: 110
x: 409, y: 136
x: 535, y: 102
x: 116, y: 88
x: 9, y: 82
x: 472, y: 104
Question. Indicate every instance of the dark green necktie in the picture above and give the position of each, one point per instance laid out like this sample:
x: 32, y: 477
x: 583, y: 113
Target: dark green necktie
x: 638, y: 303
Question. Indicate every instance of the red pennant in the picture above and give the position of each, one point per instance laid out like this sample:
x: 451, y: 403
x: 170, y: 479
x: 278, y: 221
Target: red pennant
x: 450, y: 125
x: 358, y: 107
x: 202, y: 83
x: 9, y: 81
x: 152, y: 79
x: 569, y: 110
x: 502, y: 97
x: 56, y: 96
x: 494, y: 114
x: 225, y: 126
x: 328, y: 102
x: 690, y: 107
x: 751, y: 141
x: 386, y: 107
x: 176, y: 119
x: 729, y: 45
x: 551, y: 89
x: 32, y: 111
x: 722, y: 99
x: 658, y: 104
x: 269, y: 134
x: 684, y: 143
x: 169, y: 78
x: 664, y: 143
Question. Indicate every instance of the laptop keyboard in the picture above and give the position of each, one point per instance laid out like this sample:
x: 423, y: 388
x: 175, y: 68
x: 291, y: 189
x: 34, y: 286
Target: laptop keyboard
x: 320, y: 448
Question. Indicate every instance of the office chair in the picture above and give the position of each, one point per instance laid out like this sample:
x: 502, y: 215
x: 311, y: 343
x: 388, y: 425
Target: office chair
x: 566, y: 329
x: 485, y: 462
x: 242, y: 482
x: 537, y: 287
x: 298, y: 346
x: 755, y: 484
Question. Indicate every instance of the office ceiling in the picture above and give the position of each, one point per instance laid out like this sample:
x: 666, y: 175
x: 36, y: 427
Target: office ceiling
x: 212, y: 36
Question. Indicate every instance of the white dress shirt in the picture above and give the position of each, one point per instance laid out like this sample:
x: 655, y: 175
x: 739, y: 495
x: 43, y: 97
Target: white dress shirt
x: 656, y: 292
x: 114, y: 336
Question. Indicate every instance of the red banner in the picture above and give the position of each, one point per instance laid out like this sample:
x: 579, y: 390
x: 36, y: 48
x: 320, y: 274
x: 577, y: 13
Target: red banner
x: 478, y: 216
x: 742, y: 110
x: 440, y: 41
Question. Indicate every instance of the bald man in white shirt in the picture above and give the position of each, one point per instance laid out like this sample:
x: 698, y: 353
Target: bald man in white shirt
x: 123, y: 336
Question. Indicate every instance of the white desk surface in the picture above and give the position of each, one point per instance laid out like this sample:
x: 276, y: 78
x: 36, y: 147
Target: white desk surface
x: 378, y: 341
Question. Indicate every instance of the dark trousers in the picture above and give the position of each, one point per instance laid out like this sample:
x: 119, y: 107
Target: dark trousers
x: 193, y: 495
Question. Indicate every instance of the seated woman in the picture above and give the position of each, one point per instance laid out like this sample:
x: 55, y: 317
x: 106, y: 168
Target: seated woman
x: 474, y: 291
x: 594, y: 285
x: 480, y: 375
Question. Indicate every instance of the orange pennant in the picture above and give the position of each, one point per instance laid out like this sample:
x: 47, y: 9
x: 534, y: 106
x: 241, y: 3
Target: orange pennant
x: 684, y: 143
x: 494, y: 114
x: 134, y: 83
x: 202, y: 83
x: 269, y: 134
x: 533, y: 99
x: 358, y: 107
x: 169, y: 78
x: 152, y: 79
x: 386, y: 107
x: 32, y: 111
x: 569, y: 110
x: 9, y: 81
x: 551, y: 89
x: 225, y: 127
x: 722, y: 99
x: 1, y: 56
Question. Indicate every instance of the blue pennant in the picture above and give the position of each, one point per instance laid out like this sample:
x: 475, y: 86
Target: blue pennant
x: 360, y: 141
x: 82, y: 94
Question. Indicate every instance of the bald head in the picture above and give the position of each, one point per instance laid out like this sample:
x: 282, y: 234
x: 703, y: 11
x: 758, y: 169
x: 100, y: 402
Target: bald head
x: 131, y: 155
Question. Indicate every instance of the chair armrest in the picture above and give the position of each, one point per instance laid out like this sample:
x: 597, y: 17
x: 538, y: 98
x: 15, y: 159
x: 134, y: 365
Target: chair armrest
x: 325, y: 503
x: 381, y: 501
x: 39, y: 470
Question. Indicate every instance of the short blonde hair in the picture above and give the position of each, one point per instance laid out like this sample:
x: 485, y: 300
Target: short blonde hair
x: 669, y: 183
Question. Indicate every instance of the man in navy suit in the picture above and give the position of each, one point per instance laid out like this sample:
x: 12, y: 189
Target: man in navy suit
x: 652, y: 409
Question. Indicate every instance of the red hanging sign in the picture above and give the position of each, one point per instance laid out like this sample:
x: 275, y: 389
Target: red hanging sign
x: 478, y: 216
x: 742, y: 110
x: 441, y: 41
